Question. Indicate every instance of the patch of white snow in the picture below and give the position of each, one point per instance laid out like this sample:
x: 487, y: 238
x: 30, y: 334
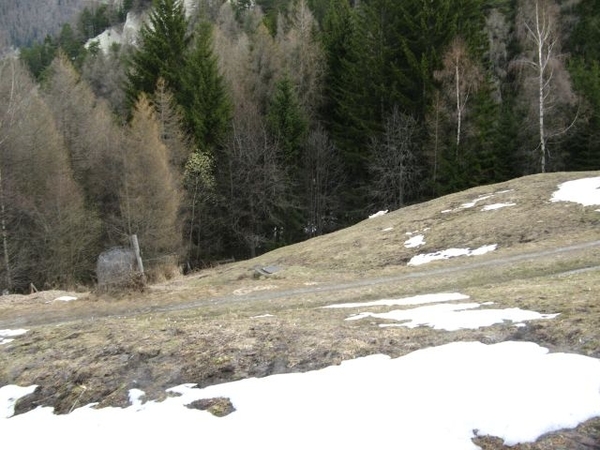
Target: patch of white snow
x: 450, y: 253
x: 474, y: 202
x: 437, y: 396
x: 378, y: 214
x: 585, y: 191
x: 5, y: 335
x: 8, y: 398
x: 416, y: 300
x: 65, y: 298
x: 452, y: 317
x: 415, y: 241
x: 497, y: 206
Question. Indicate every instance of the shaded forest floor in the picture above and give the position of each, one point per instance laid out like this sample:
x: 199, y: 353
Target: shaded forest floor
x: 227, y: 323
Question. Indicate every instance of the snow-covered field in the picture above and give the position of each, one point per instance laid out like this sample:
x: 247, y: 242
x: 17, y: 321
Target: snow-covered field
x: 435, y: 398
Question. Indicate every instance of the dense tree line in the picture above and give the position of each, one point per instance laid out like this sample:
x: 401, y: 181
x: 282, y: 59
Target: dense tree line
x: 250, y: 125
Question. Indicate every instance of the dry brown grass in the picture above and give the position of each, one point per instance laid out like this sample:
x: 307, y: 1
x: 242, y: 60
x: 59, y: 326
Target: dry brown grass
x: 204, y: 328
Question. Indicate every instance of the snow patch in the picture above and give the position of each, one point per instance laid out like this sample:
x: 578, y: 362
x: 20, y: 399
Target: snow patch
x: 378, y: 214
x: 516, y: 391
x: 8, y: 398
x: 415, y: 241
x: 65, y: 298
x: 452, y: 317
x: 407, y: 301
x: 585, y: 191
x: 6, y: 335
x: 497, y: 206
x: 262, y: 316
x: 450, y: 253
x: 474, y: 202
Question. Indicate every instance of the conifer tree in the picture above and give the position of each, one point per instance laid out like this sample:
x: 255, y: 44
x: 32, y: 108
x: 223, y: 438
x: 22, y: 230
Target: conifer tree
x: 288, y: 126
x: 584, y: 144
x: 206, y: 104
x: 163, y: 42
x: 287, y: 123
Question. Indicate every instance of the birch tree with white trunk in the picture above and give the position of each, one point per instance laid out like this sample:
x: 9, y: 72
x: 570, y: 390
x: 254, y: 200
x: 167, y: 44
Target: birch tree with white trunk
x: 545, y: 76
x: 460, y: 78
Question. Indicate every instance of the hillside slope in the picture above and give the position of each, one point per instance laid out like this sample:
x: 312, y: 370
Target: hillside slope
x: 529, y: 220
x: 230, y: 322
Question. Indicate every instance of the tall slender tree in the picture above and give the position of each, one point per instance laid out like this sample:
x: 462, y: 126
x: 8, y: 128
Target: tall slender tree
x: 203, y: 96
x: 395, y: 163
x: 163, y: 42
x: 545, y: 77
x: 48, y: 235
x: 149, y: 196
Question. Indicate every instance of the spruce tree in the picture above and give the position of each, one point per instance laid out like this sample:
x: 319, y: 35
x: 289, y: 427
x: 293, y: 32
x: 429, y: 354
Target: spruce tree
x: 288, y: 126
x: 287, y: 123
x: 584, y: 144
x: 161, y: 54
x: 206, y: 104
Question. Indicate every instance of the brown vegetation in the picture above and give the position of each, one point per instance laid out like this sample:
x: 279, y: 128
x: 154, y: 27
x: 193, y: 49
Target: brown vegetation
x: 213, y: 326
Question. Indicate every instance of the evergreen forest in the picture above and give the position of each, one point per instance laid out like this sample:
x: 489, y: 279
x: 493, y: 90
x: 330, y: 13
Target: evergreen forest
x: 241, y: 126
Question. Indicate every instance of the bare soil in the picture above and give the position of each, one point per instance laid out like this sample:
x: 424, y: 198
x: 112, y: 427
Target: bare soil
x: 227, y: 323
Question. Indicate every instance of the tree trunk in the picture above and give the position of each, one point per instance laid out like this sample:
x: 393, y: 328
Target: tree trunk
x: 541, y: 84
x: 5, y: 237
x: 458, y: 107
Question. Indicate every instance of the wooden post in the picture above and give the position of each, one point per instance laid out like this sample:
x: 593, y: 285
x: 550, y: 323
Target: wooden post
x: 136, y: 250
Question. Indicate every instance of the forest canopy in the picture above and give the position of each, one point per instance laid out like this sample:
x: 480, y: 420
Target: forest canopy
x: 233, y: 128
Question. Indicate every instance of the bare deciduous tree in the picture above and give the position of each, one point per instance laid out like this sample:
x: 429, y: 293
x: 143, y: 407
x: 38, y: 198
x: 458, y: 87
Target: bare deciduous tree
x: 150, y: 199
x: 255, y: 181
x: 460, y: 78
x: 303, y: 55
x: 324, y: 177
x: 395, y: 163
x: 546, y: 79
x: 52, y: 236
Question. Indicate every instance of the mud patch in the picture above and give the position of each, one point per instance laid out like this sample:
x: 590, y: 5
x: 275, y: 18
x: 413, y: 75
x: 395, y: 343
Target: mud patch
x: 219, y: 407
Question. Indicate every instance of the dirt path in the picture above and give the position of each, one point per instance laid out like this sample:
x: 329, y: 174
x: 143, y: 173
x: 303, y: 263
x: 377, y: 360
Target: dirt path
x: 30, y: 318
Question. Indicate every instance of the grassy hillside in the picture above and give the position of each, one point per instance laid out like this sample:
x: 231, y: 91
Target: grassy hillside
x: 230, y: 322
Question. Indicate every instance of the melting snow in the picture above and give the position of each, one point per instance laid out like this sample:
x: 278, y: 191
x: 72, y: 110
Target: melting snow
x: 585, y: 191
x: 496, y: 206
x: 65, y: 298
x: 474, y: 202
x: 452, y: 317
x: 450, y: 253
x: 430, y: 399
x: 415, y: 241
x: 416, y: 300
x: 5, y: 335
x: 378, y: 214
x: 8, y: 398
